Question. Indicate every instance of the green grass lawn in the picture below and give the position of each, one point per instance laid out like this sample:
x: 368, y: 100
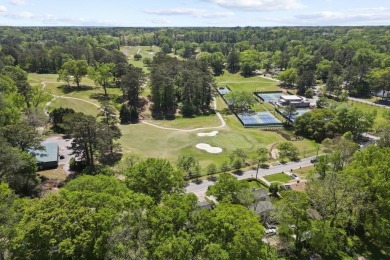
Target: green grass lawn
x: 145, y: 51
x: 252, y: 84
x: 149, y: 141
x: 190, y: 123
x: 170, y: 144
x: 77, y: 106
x: 368, y: 108
x: 87, y: 91
x: 255, y: 184
x: 304, y: 172
x: 279, y: 177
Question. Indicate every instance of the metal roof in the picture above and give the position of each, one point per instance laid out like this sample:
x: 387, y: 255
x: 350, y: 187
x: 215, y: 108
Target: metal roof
x: 49, y: 154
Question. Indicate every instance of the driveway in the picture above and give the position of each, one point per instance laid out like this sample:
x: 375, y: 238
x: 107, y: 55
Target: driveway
x: 64, y: 150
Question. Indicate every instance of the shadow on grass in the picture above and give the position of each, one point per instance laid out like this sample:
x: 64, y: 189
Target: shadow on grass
x: 367, y: 248
x: 112, y: 159
x: 101, y: 97
x: 238, y: 172
x: 69, y: 89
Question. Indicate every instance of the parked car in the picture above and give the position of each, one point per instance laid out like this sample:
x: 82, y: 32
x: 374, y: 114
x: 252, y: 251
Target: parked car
x: 270, y: 231
x: 294, y: 176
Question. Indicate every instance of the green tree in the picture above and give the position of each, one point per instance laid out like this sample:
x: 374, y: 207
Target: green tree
x: 291, y: 212
x: 237, y: 231
x: 20, y: 175
x: 288, y: 150
x: 233, y: 62
x: 102, y: 75
x: 90, y: 138
x: 19, y: 77
x: 370, y: 169
x: 274, y: 188
x: 240, y: 101
x: 73, y: 71
x: 211, y: 169
x: 56, y: 118
x: 12, y: 211
x: 154, y: 177
x: 288, y: 76
x: 230, y: 190
x: 22, y: 136
x: 289, y: 112
x: 131, y: 84
x: 189, y: 164
x: 76, y: 222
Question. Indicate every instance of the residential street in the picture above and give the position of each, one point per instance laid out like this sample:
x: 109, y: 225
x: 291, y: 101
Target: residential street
x: 200, y: 190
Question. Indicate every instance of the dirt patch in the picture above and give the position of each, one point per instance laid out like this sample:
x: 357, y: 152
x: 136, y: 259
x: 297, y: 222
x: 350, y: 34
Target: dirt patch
x: 275, y: 153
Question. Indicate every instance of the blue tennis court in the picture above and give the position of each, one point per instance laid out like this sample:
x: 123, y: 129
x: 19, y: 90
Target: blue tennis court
x: 299, y: 112
x: 268, y: 97
x: 258, y: 119
x: 223, y: 90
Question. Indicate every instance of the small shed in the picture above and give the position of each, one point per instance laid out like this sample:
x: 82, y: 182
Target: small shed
x: 48, y: 157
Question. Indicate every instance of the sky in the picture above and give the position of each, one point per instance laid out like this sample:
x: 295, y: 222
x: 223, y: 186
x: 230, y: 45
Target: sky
x: 197, y: 13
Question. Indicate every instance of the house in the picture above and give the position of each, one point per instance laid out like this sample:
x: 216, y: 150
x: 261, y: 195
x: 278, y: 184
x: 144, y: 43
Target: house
x: 48, y: 157
x: 297, y: 101
x: 205, y: 205
x: 383, y: 94
x: 262, y: 205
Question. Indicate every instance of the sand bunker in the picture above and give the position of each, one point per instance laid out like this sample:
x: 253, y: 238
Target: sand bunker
x: 213, y: 133
x: 208, y: 148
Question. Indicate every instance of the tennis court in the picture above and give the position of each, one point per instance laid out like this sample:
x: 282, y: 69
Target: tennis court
x: 268, y: 97
x: 299, y: 112
x: 258, y: 119
x: 223, y: 90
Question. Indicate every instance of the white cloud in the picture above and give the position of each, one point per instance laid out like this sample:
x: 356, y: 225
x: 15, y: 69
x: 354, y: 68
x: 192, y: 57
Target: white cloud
x: 345, y: 17
x: 21, y: 15
x: 79, y: 21
x: 3, y: 9
x: 160, y: 21
x: 188, y: 11
x: 218, y: 14
x: 258, y: 5
x: 18, y: 2
x: 175, y: 11
x: 25, y: 15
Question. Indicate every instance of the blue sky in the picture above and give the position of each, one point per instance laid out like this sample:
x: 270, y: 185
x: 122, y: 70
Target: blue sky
x: 194, y: 12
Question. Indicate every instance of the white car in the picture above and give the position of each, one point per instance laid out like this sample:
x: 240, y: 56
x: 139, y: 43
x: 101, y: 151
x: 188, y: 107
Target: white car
x: 270, y: 231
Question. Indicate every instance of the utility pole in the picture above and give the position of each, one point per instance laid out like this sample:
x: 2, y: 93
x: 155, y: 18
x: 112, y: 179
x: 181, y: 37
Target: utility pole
x: 257, y: 169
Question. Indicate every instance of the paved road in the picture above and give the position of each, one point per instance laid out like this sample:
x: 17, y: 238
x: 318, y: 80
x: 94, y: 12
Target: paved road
x: 200, y: 190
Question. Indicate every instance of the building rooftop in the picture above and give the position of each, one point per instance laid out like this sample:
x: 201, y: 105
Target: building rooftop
x: 291, y: 97
x: 49, y: 154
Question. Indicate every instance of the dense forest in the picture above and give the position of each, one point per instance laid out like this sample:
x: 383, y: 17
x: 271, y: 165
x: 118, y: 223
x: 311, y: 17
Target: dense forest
x: 138, y: 209
x: 356, y: 58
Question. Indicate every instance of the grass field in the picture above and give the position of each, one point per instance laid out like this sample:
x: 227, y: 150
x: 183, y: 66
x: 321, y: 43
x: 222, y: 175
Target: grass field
x: 145, y: 51
x: 304, y: 172
x: 368, y: 108
x: 252, y: 84
x: 87, y: 91
x: 279, y: 177
x: 170, y: 144
x: 149, y: 141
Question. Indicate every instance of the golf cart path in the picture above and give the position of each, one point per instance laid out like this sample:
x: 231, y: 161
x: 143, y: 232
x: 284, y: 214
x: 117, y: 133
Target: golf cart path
x: 43, y: 83
x: 223, y: 123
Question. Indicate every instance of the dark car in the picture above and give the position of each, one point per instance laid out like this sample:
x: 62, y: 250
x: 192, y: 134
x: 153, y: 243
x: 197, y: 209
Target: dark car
x: 313, y: 160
